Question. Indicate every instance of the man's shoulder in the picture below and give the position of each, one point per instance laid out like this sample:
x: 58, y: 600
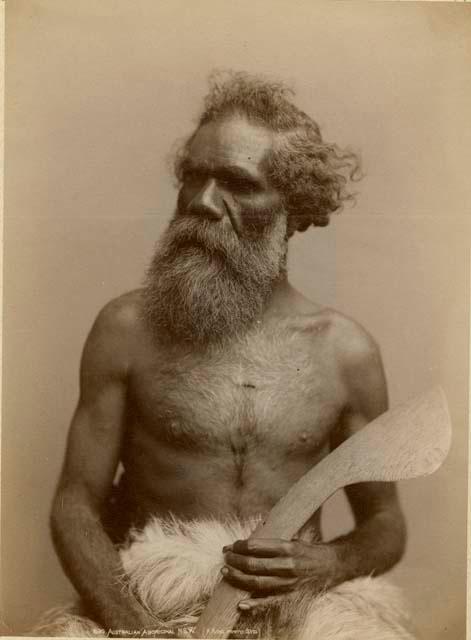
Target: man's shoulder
x: 357, y: 356
x: 352, y: 341
x: 111, y: 343
x: 122, y: 313
x: 349, y: 340
x: 118, y: 323
x: 354, y: 353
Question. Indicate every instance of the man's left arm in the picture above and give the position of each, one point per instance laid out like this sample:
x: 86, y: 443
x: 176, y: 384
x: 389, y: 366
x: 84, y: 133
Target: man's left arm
x: 378, y: 540
x: 268, y: 568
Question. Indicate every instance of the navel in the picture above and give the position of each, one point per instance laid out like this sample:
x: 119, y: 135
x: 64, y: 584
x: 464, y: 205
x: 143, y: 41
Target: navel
x: 239, y: 452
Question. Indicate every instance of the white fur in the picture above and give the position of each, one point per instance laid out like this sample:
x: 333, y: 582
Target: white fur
x: 173, y: 566
x: 361, y: 609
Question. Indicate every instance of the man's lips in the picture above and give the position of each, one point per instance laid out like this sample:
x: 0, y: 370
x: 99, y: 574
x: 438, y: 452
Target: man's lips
x: 207, y: 247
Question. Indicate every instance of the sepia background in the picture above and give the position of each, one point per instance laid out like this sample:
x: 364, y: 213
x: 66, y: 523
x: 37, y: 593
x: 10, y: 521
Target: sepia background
x: 97, y: 93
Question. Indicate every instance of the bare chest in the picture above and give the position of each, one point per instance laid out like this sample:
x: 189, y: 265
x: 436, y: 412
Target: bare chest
x: 276, y: 392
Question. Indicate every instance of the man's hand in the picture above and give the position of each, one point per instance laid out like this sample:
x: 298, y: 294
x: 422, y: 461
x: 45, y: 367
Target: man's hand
x: 268, y: 568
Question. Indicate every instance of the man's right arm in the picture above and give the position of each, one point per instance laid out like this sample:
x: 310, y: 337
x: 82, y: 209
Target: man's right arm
x: 93, y: 449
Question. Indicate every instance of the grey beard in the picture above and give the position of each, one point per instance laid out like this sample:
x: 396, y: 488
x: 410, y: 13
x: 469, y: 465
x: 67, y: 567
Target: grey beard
x: 205, y: 284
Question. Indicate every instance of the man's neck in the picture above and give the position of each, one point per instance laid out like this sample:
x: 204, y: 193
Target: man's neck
x: 285, y: 300
x: 281, y: 299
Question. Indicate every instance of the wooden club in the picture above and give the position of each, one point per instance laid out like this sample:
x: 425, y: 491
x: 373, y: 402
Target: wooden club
x: 408, y: 441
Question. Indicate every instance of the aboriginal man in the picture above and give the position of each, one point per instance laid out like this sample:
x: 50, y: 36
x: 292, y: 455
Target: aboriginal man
x: 218, y: 385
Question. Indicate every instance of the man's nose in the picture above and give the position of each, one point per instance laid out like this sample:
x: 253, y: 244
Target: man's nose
x: 208, y: 202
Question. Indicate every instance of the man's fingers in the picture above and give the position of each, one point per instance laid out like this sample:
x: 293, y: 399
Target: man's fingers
x: 258, y: 584
x: 262, y: 547
x: 284, y: 567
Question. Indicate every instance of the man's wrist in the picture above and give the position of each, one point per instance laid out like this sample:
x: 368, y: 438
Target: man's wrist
x: 345, y: 564
x: 329, y: 570
x: 341, y: 571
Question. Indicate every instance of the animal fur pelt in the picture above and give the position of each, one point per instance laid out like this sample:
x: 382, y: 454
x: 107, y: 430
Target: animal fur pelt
x: 172, y: 567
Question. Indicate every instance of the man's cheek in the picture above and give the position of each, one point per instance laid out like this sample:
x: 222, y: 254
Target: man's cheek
x: 258, y: 222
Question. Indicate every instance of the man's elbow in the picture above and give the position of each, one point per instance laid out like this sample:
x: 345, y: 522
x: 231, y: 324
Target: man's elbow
x: 69, y: 507
x: 396, y: 540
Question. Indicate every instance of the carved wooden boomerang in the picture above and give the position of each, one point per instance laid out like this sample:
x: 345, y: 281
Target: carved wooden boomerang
x: 408, y: 441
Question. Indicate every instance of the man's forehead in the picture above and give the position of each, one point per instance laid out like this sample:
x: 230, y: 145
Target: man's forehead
x: 234, y: 141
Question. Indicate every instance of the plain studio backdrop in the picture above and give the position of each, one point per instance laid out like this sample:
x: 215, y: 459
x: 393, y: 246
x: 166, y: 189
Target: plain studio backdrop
x: 97, y: 93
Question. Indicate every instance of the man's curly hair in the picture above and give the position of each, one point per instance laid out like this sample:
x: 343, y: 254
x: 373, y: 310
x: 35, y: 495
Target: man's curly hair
x: 312, y: 175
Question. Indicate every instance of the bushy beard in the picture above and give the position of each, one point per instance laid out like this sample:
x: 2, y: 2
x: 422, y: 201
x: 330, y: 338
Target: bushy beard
x: 205, y: 284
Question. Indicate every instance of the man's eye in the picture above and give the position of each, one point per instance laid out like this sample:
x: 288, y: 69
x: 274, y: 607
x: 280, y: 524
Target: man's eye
x: 239, y: 186
x: 191, y: 176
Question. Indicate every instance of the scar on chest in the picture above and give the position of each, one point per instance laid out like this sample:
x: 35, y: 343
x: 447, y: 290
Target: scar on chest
x: 248, y: 385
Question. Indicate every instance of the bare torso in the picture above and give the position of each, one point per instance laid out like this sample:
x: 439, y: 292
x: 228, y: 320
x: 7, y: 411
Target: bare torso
x: 219, y: 432
x: 226, y: 431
